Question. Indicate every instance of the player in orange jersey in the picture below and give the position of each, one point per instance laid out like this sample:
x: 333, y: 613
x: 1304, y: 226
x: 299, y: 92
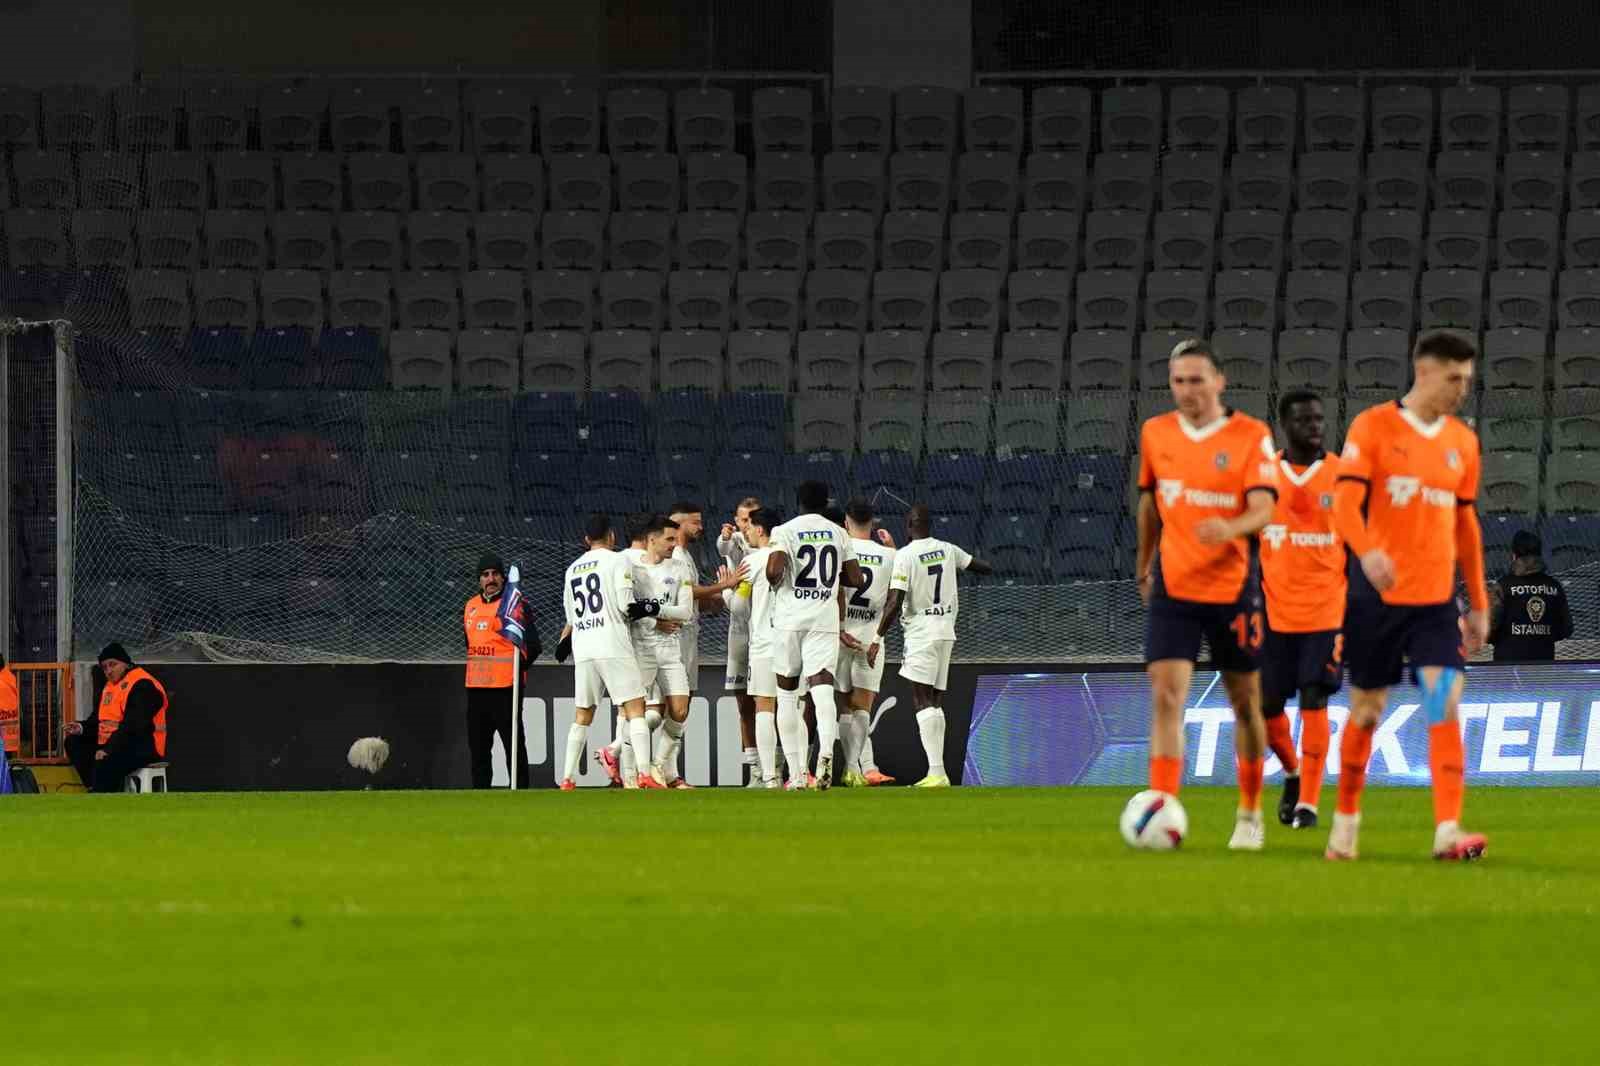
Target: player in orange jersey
x: 1302, y: 574
x: 1208, y: 477
x: 1407, y: 481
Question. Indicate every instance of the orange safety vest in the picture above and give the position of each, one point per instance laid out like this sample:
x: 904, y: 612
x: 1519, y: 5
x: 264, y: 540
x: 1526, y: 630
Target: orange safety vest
x: 114, y: 701
x: 489, y: 654
x: 10, y: 712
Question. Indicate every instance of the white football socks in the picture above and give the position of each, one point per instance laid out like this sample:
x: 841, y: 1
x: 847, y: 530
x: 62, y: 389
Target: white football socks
x: 851, y: 736
x: 827, y: 719
x: 639, y: 740
x: 577, y: 740
x: 792, y: 732
x: 767, y: 745
x: 619, y: 736
x: 671, y: 741
x: 863, y: 723
x: 930, y: 723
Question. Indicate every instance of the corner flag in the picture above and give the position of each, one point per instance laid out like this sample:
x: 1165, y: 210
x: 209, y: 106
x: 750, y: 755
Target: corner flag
x: 510, y: 614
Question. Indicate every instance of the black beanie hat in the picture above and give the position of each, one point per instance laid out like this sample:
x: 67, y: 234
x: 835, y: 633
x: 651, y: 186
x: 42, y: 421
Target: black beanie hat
x: 114, y: 651
x: 490, y: 561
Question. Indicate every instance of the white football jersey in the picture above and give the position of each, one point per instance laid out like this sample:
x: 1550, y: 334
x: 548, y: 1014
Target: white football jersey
x: 863, y: 607
x: 762, y: 596
x: 808, y: 597
x: 597, y: 589
x: 657, y: 583
x: 689, y: 635
x: 925, y: 570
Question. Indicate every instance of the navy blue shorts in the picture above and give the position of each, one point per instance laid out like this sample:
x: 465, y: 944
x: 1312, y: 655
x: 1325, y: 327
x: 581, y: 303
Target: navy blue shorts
x: 1294, y: 662
x: 1382, y: 639
x: 1174, y: 629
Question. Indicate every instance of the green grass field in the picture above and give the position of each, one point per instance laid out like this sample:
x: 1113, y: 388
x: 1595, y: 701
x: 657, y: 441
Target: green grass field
x: 984, y: 926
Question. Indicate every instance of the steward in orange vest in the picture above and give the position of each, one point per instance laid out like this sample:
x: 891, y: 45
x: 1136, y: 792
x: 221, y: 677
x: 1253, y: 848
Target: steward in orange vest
x: 490, y: 660
x: 10, y: 712
x: 128, y: 730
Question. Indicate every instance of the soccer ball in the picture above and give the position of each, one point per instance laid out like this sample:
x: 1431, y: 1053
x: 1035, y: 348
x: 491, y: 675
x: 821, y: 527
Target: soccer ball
x: 1154, y: 821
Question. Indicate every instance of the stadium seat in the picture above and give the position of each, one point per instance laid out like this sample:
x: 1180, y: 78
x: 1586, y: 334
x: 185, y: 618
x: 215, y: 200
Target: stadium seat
x: 1579, y: 298
x: 742, y: 474
x: 447, y: 182
x: 159, y: 300
x: 1581, y: 240
x: 1251, y: 240
x: 1091, y: 483
x: 854, y: 181
x: 895, y: 359
x: 108, y: 180
x: 1398, y: 178
x: 1098, y: 422
x: 1047, y: 240
x: 919, y: 181
x: 1451, y: 299
x: 571, y: 240
x: 829, y: 467
x: 700, y: 300
x: 424, y: 299
x: 500, y: 117
x: 1466, y: 179
x: 359, y: 118
x: 1098, y: 359
x: 962, y: 360
x: 1528, y: 239
x: 862, y: 119
x: 379, y: 181
x: 953, y: 481
x: 1377, y: 358
x: 1012, y: 544
x: 1191, y: 181
x: 217, y: 358
x: 1176, y: 299
x: 613, y: 483
x: 613, y: 419
x: 1315, y: 299
x: 903, y: 299
x: 1184, y: 240
x: 1535, y: 181
x: 1079, y: 548
x: 1520, y: 298
x: 420, y: 359
x: 912, y: 240
x: 892, y: 421
x: 311, y: 182
x: 225, y: 298
x: 1511, y: 420
x: 1032, y: 359
x: 146, y: 117
x: 785, y: 181
x: 1061, y: 118
x: 1020, y: 484
x: 505, y: 240
x: 681, y: 421
x: 1246, y: 358
x: 281, y: 359
x: 1328, y: 179
x: 1538, y: 117
x: 825, y: 421
x: 1459, y: 239
x: 708, y: 240
x: 1309, y: 359
x: 494, y: 299
x: 768, y: 299
x: 703, y: 119
x: 636, y: 119
x: 1131, y: 118
x: 554, y: 361
x: 1115, y: 240
x: 1469, y: 117
x: 1040, y: 299
x: 1402, y: 117
x: 649, y: 182
x: 844, y: 240
x: 970, y: 299
x: 76, y: 117
x: 1571, y: 541
x: 988, y: 181
x: 19, y: 117
x: 780, y: 119
x: 350, y: 358
x: 927, y: 118
x: 303, y: 240
x: 569, y: 121
x: 1124, y: 181
x: 836, y: 299
x: 631, y: 300
x: 1246, y: 299
x: 1321, y: 240
x: 1571, y: 483
x: 37, y: 238
x: 513, y: 182
x: 1107, y: 299
x: 1391, y: 239
x: 977, y: 239
x: 236, y: 239
x: 1056, y: 181
x: 888, y: 479
x: 716, y: 181
x: 1382, y: 298
x: 1261, y: 178
x: 1264, y: 117
x: 684, y: 475
x: 580, y: 181
x: 759, y: 360
x: 438, y: 240
x: 370, y: 240
x: 1576, y: 358
x: 1197, y: 118
x: 430, y: 117
x: 1578, y: 432
x: 776, y: 240
x: 1510, y: 482
x: 44, y: 180
x: 692, y: 359
x: 177, y: 180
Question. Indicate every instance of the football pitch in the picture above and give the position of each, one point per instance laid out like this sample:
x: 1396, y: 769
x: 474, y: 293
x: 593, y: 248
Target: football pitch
x: 892, y: 926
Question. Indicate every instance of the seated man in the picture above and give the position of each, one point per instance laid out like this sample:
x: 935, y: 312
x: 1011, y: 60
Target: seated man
x: 129, y: 729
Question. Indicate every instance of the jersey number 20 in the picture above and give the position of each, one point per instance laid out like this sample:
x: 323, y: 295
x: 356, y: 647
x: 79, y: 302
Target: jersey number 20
x: 824, y: 562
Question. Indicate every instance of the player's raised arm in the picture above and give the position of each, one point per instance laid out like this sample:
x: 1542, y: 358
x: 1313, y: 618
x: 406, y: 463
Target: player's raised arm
x: 965, y: 560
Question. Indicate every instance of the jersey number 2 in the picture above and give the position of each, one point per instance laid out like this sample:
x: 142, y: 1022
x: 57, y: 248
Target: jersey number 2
x: 858, y: 598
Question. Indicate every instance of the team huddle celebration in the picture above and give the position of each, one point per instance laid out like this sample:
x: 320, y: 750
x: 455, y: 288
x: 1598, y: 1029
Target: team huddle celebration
x: 1287, y: 565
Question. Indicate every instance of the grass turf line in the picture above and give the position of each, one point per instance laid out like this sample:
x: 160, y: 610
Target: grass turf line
x: 975, y: 925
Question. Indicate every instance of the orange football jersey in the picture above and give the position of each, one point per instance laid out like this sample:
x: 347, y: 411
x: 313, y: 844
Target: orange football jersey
x: 1197, y: 474
x: 1416, y: 474
x: 1302, y: 556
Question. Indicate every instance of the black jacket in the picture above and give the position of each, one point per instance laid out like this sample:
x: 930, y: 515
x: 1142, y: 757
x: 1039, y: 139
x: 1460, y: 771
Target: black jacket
x: 1533, y: 615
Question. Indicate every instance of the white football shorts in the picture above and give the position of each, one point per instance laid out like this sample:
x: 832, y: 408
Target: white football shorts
x: 662, y: 677
x: 595, y: 679
x: 763, y: 681
x: 927, y: 662
x: 801, y: 653
x: 854, y: 673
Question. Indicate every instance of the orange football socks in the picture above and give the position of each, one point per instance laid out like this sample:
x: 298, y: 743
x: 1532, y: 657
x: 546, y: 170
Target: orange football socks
x: 1166, y: 773
x: 1355, y: 751
x: 1313, y: 755
x: 1446, y: 759
x: 1281, y: 741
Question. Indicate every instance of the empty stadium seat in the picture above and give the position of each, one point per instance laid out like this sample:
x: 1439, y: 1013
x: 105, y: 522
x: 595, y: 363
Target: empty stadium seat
x: 1533, y: 180
x: 785, y: 181
x: 708, y: 240
x: 1131, y: 118
x: 1251, y: 240
x: 1321, y: 240
x: 716, y: 181
x: 895, y: 359
x: 1571, y: 483
x: 854, y: 181
x: 379, y: 181
x: 970, y: 299
x: 1511, y: 420
x: 1098, y: 422
x: 1391, y: 239
x: 370, y: 240
x: 1520, y: 298
x: 622, y: 359
x: 825, y: 421
x: 1528, y: 239
x: 1115, y: 240
x: 1097, y: 359
x: 903, y: 299
x: 438, y: 240
x: 1260, y: 181
x: 571, y: 240
x: 1377, y: 358
x: 1329, y: 179
x: 569, y: 120
x: 919, y: 181
x: 631, y: 300
x: 768, y: 299
x: 1265, y: 118
x: 236, y: 239
x: 636, y: 119
x: 703, y: 119
x: 1184, y: 240
x: 424, y: 299
x: 1246, y: 299
x: 1040, y: 299
x: 927, y: 118
x: 988, y: 181
x: 489, y: 359
x: 1191, y: 181
x: 177, y: 180
x: 962, y: 359
x: 494, y: 299
x: 1056, y: 181
x: 1309, y: 359
x: 700, y: 300
x: 892, y: 421
x: 649, y: 182
x: 1315, y: 299
x: 1458, y: 238
x: 1047, y: 240
x: 580, y: 181
x: 780, y: 119
x: 225, y: 298
x: 759, y: 360
x: 692, y: 359
x: 776, y: 240
x: 420, y: 359
x: 1382, y: 298
x: 1466, y: 179
x: 505, y: 240
x: 862, y: 119
x: 836, y: 299
x: 845, y: 240
x: 1107, y: 299
x: 554, y: 361
x: 828, y: 359
x: 1061, y: 118
x: 978, y: 239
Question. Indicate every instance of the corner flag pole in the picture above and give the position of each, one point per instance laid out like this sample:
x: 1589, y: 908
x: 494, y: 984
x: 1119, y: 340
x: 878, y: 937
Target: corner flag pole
x: 516, y: 693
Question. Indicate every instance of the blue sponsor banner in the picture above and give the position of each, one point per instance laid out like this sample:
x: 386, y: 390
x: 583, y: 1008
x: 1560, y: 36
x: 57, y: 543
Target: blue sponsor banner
x: 1523, y: 725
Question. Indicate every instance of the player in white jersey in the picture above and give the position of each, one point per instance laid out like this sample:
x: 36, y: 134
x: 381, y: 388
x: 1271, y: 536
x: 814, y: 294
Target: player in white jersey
x: 763, y: 685
x: 924, y: 593
x: 810, y: 558
x: 732, y: 546
x: 855, y: 676
x: 600, y: 605
x: 617, y: 757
